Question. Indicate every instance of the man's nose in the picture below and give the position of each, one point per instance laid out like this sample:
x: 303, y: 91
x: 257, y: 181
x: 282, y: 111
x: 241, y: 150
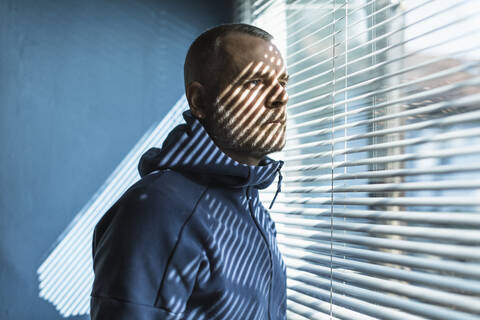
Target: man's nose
x: 277, y: 96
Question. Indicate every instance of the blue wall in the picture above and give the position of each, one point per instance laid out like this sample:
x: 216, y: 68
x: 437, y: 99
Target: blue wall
x: 80, y: 83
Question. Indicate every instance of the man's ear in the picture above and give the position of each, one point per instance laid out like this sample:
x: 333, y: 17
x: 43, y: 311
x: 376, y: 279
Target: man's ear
x: 196, y: 97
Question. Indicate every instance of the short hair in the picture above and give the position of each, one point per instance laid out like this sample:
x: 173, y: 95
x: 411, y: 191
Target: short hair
x: 206, y: 54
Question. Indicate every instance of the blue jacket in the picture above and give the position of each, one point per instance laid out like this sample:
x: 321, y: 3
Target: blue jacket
x: 190, y: 239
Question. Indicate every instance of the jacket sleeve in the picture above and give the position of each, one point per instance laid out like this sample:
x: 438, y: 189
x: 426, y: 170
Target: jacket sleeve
x: 145, y: 258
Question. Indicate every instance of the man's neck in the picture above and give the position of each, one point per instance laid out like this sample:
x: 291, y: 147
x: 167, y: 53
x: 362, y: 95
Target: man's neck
x: 242, y: 158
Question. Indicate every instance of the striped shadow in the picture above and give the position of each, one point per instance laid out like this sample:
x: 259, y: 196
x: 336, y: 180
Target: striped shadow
x: 66, y: 275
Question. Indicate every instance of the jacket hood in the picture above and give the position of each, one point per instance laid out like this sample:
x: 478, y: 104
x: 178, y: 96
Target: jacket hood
x: 189, y: 148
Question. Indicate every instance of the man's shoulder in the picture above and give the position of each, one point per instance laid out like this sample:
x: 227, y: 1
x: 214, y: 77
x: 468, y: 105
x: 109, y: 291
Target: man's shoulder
x: 164, y: 191
x: 171, y: 183
x: 159, y: 202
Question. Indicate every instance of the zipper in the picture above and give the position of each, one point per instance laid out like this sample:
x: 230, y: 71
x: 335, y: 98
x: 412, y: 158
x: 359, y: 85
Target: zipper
x: 264, y: 237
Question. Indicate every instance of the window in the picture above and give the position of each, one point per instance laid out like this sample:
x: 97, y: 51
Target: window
x: 379, y: 215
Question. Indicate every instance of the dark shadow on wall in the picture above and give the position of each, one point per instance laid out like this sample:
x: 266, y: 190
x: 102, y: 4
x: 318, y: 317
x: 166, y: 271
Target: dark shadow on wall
x: 80, y: 83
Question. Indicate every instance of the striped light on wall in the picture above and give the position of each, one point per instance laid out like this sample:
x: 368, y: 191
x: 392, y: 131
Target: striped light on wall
x: 66, y: 275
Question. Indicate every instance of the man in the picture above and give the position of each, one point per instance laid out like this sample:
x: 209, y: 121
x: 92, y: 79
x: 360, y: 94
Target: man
x: 191, y: 240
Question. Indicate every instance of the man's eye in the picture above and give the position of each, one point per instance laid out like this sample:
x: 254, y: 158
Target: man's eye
x: 283, y: 83
x: 252, y: 83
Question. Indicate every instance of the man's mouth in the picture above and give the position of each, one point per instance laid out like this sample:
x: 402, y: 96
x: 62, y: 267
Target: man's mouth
x: 280, y: 120
x: 277, y: 121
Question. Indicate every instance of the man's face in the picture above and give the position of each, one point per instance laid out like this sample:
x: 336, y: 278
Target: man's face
x: 249, y: 112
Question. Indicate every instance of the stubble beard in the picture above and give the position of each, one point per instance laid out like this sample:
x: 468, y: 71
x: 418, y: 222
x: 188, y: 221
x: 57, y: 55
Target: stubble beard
x: 244, y: 140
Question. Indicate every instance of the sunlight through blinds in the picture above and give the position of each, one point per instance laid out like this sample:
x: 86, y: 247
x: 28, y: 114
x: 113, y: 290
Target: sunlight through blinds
x: 378, y: 217
x: 66, y: 274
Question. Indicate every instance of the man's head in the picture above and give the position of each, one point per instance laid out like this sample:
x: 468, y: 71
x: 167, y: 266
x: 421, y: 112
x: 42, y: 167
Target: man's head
x: 235, y: 82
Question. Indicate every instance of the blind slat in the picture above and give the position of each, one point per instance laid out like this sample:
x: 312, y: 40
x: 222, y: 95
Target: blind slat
x: 437, y: 249
x: 381, y: 299
x: 471, y: 82
x: 433, y: 76
x: 382, y: 201
x: 305, y: 26
x: 441, y: 27
x: 458, y: 218
x: 383, y: 50
x: 314, y: 288
x: 322, y: 308
x: 466, y: 236
x: 381, y: 63
x: 442, y: 137
x: 400, y: 15
x: 382, y: 187
x: 377, y: 257
x: 401, y: 274
x: 311, y: 303
x: 316, y: 43
x: 388, y: 159
x: 460, y: 302
x: 330, y: 24
x: 385, y: 173
x: 301, y: 311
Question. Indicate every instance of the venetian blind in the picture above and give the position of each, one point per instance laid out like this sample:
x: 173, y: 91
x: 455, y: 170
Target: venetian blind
x: 379, y: 215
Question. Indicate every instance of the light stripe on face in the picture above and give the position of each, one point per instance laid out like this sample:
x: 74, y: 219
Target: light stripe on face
x: 243, y: 110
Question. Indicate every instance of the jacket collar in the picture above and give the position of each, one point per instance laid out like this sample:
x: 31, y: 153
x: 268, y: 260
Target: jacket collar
x: 188, y: 148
